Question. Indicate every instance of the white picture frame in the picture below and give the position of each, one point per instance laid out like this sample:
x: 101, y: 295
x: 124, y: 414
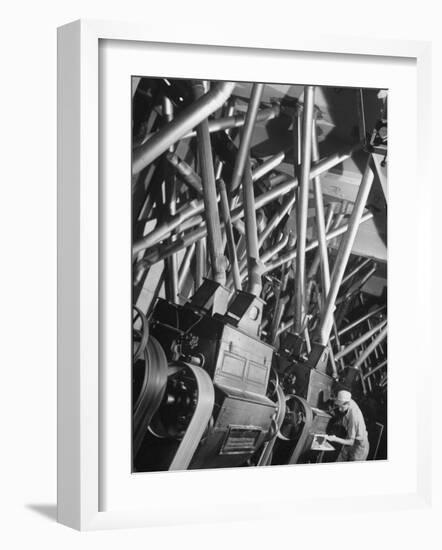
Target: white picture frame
x: 80, y: 411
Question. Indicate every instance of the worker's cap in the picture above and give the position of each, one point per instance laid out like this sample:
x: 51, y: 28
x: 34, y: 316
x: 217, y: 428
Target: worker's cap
x: 343, y: 396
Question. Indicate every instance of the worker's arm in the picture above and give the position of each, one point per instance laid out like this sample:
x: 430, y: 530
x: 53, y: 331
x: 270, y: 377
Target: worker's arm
x: 340, y: 440
x: 351, y: 432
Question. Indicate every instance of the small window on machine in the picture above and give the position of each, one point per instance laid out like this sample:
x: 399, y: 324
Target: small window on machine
x: 259, y: 261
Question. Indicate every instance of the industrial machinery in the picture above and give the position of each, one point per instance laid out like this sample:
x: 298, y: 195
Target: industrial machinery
x: 259, y: 270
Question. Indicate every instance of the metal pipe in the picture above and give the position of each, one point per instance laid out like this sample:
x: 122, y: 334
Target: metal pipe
x: 361, y: 115
x: 170, y: 197
x: 270, y: 253
x: 278, y: 313
x: 291, y: 254
x: 237, y: 121
x: 267, y: 166
x: 185, y: 266
x: 200, y: 261
x: 357, y: 285
x: 214, y: 237
x: 231, y: 245
x: 361, y: 320
x: 165, y: 228
x: 254, y: 285
x: 358, y: 268
x: 197, y: 206
x: 184, y: 122
x: 302, y: 211
x: 276, y: 219
x: 185, y: 172
x: 273, y: 251
x: 356, y: 343
x: 320, y: 219
x: 172, y: 263
x: 317, y: 259
x: 277, y: 178
x: 331, y: 357
x: 246, y: 137
x: 376, y: 352
x: 368, y: 350
x: 155, y: 293
x: 344, y: 253
x: 285, y: 326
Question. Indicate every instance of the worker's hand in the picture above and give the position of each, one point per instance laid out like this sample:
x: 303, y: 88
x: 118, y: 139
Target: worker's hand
x: 331, y: 437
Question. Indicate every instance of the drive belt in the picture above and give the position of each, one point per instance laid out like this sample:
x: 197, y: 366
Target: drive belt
x: 266, y: 455
x: 200, y: 419
x: 152, y: 390
x: 300, y: 445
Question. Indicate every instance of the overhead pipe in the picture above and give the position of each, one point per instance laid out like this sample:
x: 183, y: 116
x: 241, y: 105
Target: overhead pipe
x: 277, y: 178
x: 267, y: 166
x: 302, y: 205
x: 361, y: 320
x: 320, y: 218
x: 170, y: 195
x: 285, y: 326
x: 317, y: 259
x: 270, y: 253
x: 205, y: 158
x: 157, y: 255
x: 370, y: 348
x: 375, y: 369
x: 357, y: 285
x: 185, y: 266
x: 278, y: 311
x: 376, y: 352
x: 185, y: 172
x: 277, y: 247
x: 246, y: 136
x: 185, y: 121
x: 231, y: 245
x: 291, y: 254
x: 200, y: 261
x: 344, y: 252
x: 165, y: 228
x: 356, y: 343
x: 254, y: 266
x: 356, y: 270
x: 197, y: 206
x: 237, y: 121
x: 276, y: 219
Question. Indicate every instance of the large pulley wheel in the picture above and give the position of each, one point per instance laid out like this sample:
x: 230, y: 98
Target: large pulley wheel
x: 296, y: 425
x: 186, y: 411
x: 294, y: 419
x: 180, y: 399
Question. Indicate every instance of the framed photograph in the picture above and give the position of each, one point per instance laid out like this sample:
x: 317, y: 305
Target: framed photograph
x: 225, y: 284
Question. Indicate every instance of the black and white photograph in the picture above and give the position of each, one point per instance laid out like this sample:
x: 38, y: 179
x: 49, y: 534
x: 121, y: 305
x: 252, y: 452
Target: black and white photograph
x: 259, y: 265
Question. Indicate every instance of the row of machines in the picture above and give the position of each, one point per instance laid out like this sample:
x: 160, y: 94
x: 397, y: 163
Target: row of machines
x: 220, y: 377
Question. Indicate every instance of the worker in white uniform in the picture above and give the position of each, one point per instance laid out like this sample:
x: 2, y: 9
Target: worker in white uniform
x: 355, y: 446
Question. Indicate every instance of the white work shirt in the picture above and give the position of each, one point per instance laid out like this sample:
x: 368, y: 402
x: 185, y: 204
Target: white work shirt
x: 354, y: 423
